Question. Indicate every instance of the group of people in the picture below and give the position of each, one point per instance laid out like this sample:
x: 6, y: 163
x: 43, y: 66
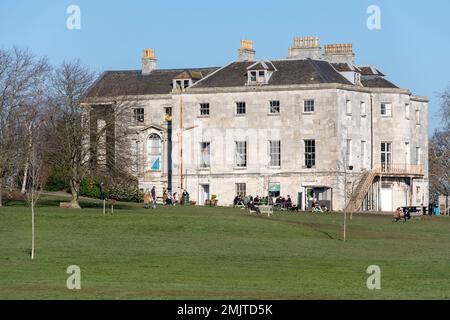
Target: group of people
x: 400, y: 213
x: 168, y: 198
x: 253, y: 203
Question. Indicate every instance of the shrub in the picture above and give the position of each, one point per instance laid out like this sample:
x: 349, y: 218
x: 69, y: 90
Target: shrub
x: 90, y: 187
x: 125, y: 193
x: 57, y: 181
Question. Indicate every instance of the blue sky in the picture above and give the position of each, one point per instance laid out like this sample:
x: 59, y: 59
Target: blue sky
x: 412, y: 47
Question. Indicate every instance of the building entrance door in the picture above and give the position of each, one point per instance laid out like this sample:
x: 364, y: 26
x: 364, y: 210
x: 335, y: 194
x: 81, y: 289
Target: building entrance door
x: 204, y: 193
x: 386, y: 199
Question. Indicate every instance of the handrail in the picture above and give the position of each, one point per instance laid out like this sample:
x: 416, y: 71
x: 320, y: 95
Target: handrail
x: 395, y: 168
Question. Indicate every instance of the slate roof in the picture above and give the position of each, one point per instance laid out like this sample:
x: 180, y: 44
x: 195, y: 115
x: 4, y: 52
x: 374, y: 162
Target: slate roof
x: 289, y: 72
x: 343, y: 67
x: 133, y: 82
x: 377, y: 82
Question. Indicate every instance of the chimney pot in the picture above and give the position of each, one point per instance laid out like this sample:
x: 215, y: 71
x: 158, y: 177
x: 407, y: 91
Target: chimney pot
x: 246, y: 52
x: 148, y: 61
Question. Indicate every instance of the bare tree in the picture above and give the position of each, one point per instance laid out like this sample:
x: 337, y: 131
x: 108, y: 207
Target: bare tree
x: 91, y: 137
x: 22, y: 76
x: 69, y: 84
x: 439, y: 152
x: 37, y: 173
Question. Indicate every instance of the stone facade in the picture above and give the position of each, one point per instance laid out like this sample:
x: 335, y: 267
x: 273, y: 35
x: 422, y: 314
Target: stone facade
x: 200, y: 129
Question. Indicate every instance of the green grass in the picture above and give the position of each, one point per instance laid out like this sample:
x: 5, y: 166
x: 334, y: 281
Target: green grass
x: 219, y: 253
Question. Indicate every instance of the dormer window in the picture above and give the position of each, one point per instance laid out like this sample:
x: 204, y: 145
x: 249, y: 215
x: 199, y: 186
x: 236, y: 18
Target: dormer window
x: 257, y: 77
x: 182, y: 83
x: 260, y: 72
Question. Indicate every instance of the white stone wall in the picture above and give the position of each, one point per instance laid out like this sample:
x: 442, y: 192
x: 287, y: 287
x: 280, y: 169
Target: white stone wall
x: 330, y: 125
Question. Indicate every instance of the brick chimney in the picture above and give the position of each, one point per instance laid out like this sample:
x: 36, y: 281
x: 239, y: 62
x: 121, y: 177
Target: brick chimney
x: 246, y: 52
x: 339, y: 53
x: 148, y: 61
x: 304, y: 48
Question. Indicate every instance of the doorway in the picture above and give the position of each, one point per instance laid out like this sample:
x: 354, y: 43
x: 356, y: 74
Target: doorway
x: 386, y: 199
x: 204, y: 194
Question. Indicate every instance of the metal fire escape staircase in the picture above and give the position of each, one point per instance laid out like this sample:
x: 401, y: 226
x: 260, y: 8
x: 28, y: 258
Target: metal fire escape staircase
x: 361, y: 191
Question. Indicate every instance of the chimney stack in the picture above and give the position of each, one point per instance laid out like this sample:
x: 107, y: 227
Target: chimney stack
x: 246, y: 52
x: 148, y: 61
x: 338, y: 53
x: 304, y: 48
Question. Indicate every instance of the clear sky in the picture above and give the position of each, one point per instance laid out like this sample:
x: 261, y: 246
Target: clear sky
x: 412, y: 47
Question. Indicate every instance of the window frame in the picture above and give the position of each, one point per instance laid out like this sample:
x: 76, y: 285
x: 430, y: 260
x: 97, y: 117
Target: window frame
x: 385, y: 104
x: 239, y: 106
x: 242, y: 192
x: 275, y: 153
x: 274, y: 104
x: 136, y: 115
x: 205, y: 146
x: 309, y: 153
x: 151, y: 153
x: 239, y: 147
x: 310, y: 104
x: 202, y: 109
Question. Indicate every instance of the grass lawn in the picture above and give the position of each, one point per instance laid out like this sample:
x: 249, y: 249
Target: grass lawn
x: 218, y: 253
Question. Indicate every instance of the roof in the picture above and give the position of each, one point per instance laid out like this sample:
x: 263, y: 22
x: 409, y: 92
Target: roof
x: 288, y: 72
x: 370, y: 71
x: 376, y: 82
x: 345, y: 67
x: 133, y: 82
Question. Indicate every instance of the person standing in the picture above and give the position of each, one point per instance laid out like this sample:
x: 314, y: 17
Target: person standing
x: 153, y: 193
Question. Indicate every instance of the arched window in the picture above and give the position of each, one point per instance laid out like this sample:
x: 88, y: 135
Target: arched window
x: 154, y: 152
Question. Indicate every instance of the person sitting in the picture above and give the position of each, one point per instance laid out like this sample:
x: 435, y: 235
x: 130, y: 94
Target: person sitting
x: 175, y: 198
x: 398, y: 214
x: 252, y: 208
x: 288, y: 202
x: 256, y: 200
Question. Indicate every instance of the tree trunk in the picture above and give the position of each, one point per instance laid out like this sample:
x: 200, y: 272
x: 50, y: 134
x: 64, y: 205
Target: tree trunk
x: 25, y: 177
x: 1, y: 190
x: 32, y: 227
x: 75, y: 190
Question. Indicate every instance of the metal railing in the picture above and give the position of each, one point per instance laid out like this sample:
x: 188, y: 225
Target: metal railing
x: 393, y: 168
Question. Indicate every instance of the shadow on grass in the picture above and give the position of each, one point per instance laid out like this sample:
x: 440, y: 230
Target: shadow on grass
x: 85, y: 204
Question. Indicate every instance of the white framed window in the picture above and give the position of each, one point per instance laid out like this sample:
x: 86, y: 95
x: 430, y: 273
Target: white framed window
x: 348, y: 106
x: 310, y: 153
x: 275, y: 153
x: 386, y: 110
x: 407, y: 111
x: 240, y: 108
x: 418, y: 117
x: 241, y: 190
x: 205, y: 155
x: 204, y: 109
x: 308, y: 106
x: 274, y: 107
x: 253, y: 76
x: 386, y: 155
x: 363, y: 109
x: 138, y: 115
x: 154, y: 152
x: 241, y: 154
